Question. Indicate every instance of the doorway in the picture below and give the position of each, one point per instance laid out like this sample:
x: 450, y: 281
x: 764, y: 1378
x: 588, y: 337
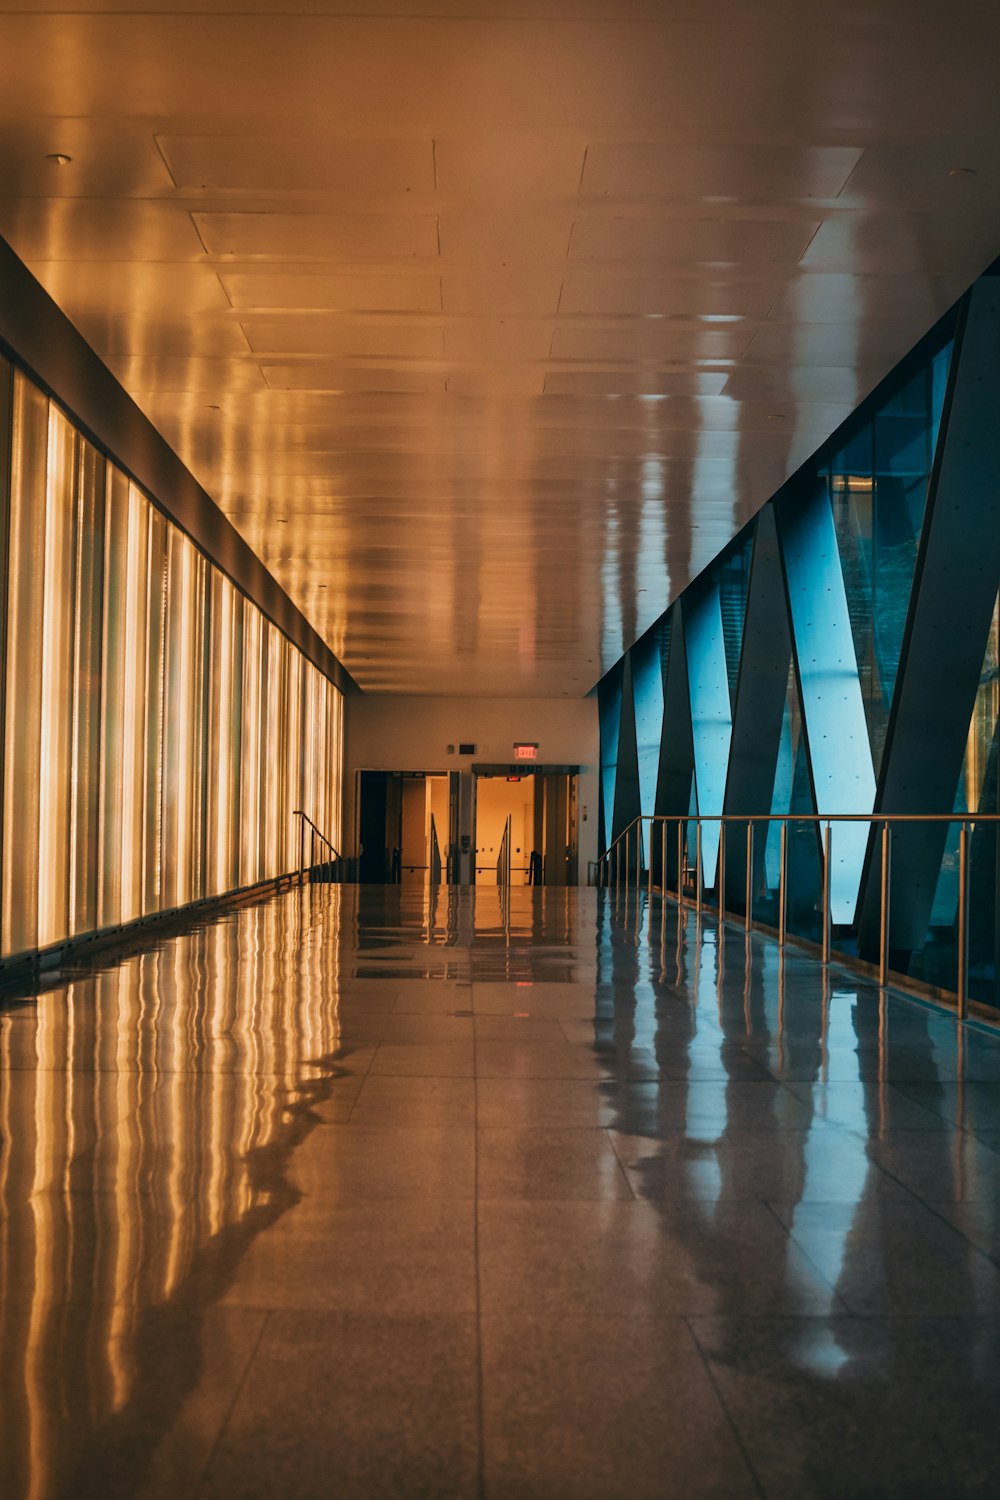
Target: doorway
x: 541, y: 808
x: 407, y: 822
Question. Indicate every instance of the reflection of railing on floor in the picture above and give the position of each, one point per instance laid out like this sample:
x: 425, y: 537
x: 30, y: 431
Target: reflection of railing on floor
x: 685, y: 857
x: 325, y: 868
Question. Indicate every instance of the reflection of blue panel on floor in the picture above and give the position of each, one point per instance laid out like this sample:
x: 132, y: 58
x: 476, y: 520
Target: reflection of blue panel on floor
x: 711, y: 712
x: 827, y: 668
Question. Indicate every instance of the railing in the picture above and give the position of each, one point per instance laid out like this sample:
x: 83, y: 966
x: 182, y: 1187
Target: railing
x: 503, y: 859
x: 314, y: 835
x: 622, y: 865
x: 435, y: 855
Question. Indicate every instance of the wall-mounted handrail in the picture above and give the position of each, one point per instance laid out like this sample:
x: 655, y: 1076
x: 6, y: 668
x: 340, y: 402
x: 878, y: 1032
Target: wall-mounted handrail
x: 615, y: 868
x: 315, y: 833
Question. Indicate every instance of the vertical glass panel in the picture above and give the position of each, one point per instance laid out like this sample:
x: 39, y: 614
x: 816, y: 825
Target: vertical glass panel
x: 152, y: 831
x: 25, y: 599
x: 336, y: 762
x: 224, y: 693
x: 734, y: 581
x: 609, y: 708
x: 86, y: 730
x: 291, y: 715
x: 792, y: 794
x: 56, y: 744
x: 978, y: 790
x: 116, y: 520
x: 250, y: 746
x: 271, y: 754
x: 183, y: 729
x: 133, y: 737
x: 878, y: 488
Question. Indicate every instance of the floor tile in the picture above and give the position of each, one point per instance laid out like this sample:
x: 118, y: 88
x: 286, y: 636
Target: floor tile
x: 553, y: 1164
x: 622, y: 1259
x: 863, y: 1407
x: 394, y: 1256
x: 364, y: 1407
x: 555, y: 1424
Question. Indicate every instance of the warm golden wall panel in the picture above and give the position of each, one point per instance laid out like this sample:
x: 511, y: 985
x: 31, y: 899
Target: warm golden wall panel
x: 159, y: 732
x: 25, y: 604
x: 87, y: 612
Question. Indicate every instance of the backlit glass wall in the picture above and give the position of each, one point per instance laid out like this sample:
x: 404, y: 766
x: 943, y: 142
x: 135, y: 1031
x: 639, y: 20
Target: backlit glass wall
x: 857, y: 624
x: 159, y: 733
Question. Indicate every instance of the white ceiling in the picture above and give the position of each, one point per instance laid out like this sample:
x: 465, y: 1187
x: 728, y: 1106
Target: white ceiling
x: 488, y: 324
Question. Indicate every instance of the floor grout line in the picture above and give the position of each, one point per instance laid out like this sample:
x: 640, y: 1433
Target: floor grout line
x: 738, y: 1436
x: 206, y: 1468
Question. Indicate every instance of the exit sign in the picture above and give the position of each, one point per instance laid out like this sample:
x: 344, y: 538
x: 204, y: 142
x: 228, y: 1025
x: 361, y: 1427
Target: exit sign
x: 526, y: 752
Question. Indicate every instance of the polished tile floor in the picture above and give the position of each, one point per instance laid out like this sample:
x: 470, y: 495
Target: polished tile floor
x: 357, y: 1193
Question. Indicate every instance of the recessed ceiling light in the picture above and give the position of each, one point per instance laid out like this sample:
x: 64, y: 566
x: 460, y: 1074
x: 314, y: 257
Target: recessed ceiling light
x: 961, y: 171
x: 59, y: 158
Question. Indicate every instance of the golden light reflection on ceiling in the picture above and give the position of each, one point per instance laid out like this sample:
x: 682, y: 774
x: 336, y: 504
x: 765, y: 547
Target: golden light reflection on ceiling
x: 424, y: 299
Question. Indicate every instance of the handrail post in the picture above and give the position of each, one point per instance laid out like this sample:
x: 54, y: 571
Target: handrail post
x: 826, y: 895
x: 680, y: 862
x: 302, y: 849
x: 628, y: 859
x: 885, y: 896
x: 783, y: 885
x: 617, y: 846
x: 663, y: 859
x: 720, y: 873
x: 697, y: 866
x: 748, y: 910
x: 649, y: 864
x: 962, y: 977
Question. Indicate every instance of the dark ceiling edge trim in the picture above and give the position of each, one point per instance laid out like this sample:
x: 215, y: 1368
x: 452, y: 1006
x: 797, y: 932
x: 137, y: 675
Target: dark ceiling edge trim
x: 40, y: 338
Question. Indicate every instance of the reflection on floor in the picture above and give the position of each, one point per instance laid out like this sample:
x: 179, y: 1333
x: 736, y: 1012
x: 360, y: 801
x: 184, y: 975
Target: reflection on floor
x: 352, y: 1194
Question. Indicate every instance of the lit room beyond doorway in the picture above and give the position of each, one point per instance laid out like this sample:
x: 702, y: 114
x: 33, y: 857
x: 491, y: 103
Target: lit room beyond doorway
x: 536, y: 813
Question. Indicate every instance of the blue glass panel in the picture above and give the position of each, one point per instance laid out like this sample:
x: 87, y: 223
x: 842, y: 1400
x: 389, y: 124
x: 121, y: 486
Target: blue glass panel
x: 734, y: 578
x: 647, y: 695
x: 936, y: 961
x: 711, y: 711
x: 878, y: 491
x: 609, y: 707
x: 832, y: 704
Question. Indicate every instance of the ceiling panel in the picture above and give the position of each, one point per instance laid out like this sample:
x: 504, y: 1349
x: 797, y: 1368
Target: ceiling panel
x: 659, y: 340
x: 80, y: 229
x: 304, y: 163
x: 744, y: 242
x: 710, y: 172
x: 331, y: 291
x: 707, y: 296
x: 318, y: 236
x: 376, y: 338
x: 321, y: 375
x: 490, y: 322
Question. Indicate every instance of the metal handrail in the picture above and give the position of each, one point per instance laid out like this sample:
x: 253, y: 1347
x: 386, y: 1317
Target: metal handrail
x: 609, y: 867
x: 316, y: 833
x: 503, y: 859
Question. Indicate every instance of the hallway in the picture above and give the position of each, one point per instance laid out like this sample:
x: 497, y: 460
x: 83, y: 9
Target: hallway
x: 349, y: 1194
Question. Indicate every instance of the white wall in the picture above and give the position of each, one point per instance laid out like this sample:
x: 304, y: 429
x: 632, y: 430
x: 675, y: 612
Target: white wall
x: 388, y: 733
